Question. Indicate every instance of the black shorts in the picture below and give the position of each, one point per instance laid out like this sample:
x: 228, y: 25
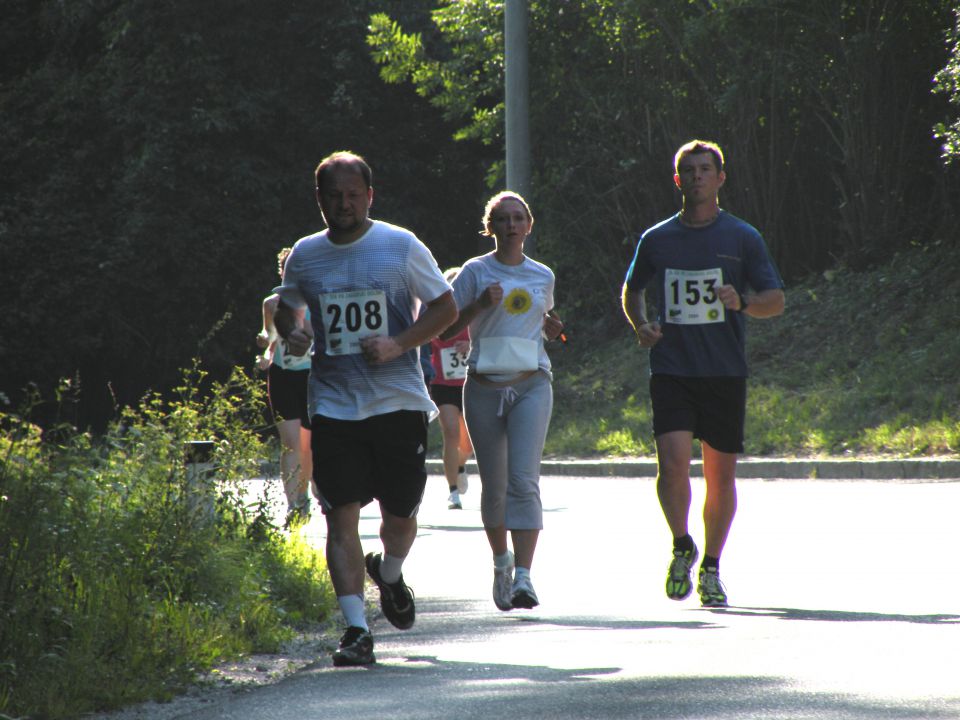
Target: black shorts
x: 712, y: 408
x: 448, y: 395
x: 381, y: 457
x: 287, y: 391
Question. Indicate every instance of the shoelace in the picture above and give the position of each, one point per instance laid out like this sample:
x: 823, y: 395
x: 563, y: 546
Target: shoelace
x: 680, y: 566
x: 508, y: 395
x: 711, y: 583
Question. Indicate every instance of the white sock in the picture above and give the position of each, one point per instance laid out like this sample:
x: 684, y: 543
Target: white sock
x: 521, y: 572
x: 353, y: 611
x: 504, y: 560
x: 390, y: 568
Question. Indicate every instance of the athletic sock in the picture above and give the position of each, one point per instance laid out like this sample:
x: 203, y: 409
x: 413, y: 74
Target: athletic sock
x: 711, y: 563
x: 390, y: 568
x: 461, y: 469
x: 521, y: 572
x: 453, y: 488
x: 684, y: 543
x: 502, y: 561
x: 353, y: 611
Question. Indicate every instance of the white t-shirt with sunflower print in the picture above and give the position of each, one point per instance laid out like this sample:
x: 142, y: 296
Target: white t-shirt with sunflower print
x: 507, y: 340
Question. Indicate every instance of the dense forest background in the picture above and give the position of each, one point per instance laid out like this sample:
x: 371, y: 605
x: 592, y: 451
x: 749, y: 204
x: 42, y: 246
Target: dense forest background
x: 156, y: 156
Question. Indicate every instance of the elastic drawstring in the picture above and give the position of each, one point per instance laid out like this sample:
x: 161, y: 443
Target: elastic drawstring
x: 507, y: 395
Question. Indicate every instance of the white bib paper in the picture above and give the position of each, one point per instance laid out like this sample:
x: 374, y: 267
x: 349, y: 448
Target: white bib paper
x: 453, y: 364
x: 350, y: 316
x: 507, y: 355
x: 691, y: 296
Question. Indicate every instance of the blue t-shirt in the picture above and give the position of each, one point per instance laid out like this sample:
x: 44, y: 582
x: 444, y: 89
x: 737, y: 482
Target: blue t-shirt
x: 373, y: 286
x: 700, y: 337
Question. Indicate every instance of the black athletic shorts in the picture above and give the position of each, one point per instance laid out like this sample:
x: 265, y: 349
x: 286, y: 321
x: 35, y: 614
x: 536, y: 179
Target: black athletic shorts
x: 712, y: 408
x: 287, y: 391
x: 448, y: 395
x: 381, y: 457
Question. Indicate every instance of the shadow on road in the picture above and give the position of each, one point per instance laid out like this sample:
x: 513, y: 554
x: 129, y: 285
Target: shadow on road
x: 837, y: 615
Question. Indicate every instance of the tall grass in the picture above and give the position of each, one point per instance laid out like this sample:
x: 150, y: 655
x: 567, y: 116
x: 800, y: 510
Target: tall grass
x: 123, y: 571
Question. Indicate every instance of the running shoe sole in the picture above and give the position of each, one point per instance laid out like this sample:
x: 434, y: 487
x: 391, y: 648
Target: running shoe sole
x: 522, y: 600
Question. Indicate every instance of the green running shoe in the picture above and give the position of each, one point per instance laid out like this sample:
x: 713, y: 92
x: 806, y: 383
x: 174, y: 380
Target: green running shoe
x: 712, y: 592
x: 679, y: 584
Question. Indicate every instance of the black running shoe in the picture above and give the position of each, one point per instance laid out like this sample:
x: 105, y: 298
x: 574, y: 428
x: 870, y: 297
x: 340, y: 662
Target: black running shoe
x: 356, y: 648
x: 396, y: 600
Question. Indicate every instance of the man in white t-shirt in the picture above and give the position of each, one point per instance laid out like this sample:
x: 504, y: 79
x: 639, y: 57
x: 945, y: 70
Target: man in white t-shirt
x: 375, y: 295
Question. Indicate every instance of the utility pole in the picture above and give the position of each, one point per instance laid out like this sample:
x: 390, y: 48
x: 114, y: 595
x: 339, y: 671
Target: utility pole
x: 517, y: 93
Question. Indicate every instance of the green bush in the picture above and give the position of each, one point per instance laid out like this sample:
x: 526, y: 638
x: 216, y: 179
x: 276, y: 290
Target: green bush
x: 123, y: 570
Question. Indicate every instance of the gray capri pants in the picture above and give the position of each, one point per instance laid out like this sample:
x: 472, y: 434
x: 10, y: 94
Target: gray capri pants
x: 508, y: 426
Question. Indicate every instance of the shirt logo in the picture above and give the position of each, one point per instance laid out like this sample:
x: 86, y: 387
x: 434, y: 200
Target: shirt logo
x: 518, y: 301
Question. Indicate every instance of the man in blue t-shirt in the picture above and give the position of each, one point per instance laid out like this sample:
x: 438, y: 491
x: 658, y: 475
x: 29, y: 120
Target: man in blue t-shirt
x: 708, y: 271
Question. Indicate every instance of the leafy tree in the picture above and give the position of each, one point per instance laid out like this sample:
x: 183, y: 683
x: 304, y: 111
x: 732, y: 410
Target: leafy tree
x: 830, y: 158
x: 947, y: 82
x: 158, y: 155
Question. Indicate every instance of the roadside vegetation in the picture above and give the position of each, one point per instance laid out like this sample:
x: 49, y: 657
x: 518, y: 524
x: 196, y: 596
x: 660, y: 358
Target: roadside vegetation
x: 127, y: 570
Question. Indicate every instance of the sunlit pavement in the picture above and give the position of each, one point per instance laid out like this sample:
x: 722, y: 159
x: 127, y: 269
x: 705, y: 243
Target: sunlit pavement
x: 844, y: 604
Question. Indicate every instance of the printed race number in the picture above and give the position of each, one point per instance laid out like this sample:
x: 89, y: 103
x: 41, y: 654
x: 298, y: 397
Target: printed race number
x: 691, y: 296
x: 454, y: 364
x: 350, y: 316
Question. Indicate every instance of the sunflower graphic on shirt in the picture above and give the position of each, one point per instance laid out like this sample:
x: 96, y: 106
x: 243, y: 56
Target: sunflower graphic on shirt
x: 517, y: 302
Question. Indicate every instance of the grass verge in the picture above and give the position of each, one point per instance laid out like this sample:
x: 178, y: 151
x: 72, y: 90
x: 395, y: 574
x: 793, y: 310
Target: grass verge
x: 127, y: 571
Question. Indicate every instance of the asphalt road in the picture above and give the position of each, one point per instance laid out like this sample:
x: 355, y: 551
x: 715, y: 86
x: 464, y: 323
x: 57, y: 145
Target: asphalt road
x: 844, y: 604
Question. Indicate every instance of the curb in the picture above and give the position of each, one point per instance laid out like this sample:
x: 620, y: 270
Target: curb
x: 760, y: 468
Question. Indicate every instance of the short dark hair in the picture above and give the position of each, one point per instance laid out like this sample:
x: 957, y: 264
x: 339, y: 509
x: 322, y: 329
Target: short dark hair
x: 698, y: 147
x: 343, y: 158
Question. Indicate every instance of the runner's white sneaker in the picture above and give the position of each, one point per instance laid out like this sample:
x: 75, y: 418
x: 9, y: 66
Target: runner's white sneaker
x: 503, y: 586
x: 462, y: 482
x: 523, y: 595
x: 453, y: 502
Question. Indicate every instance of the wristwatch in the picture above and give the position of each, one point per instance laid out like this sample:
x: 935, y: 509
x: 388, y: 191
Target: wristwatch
x: 743, y: 302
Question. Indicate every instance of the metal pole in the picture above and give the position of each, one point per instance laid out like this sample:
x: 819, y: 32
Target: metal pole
x: 517, y: 92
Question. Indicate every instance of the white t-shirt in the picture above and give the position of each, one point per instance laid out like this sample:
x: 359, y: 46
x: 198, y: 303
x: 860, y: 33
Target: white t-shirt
x: 373, y: 286
x: 527, y: 296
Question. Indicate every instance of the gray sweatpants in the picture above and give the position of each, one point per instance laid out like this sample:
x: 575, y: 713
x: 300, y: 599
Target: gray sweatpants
x: 508, y: 426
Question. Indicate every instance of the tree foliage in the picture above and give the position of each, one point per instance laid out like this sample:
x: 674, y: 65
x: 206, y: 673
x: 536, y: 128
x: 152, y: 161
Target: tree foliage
x: 157, y: 156
x: 947, y: 82
x: 823, y: 109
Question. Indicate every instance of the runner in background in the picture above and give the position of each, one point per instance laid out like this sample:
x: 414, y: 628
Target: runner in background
x: 287, y: 376
x: 449, y: 361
